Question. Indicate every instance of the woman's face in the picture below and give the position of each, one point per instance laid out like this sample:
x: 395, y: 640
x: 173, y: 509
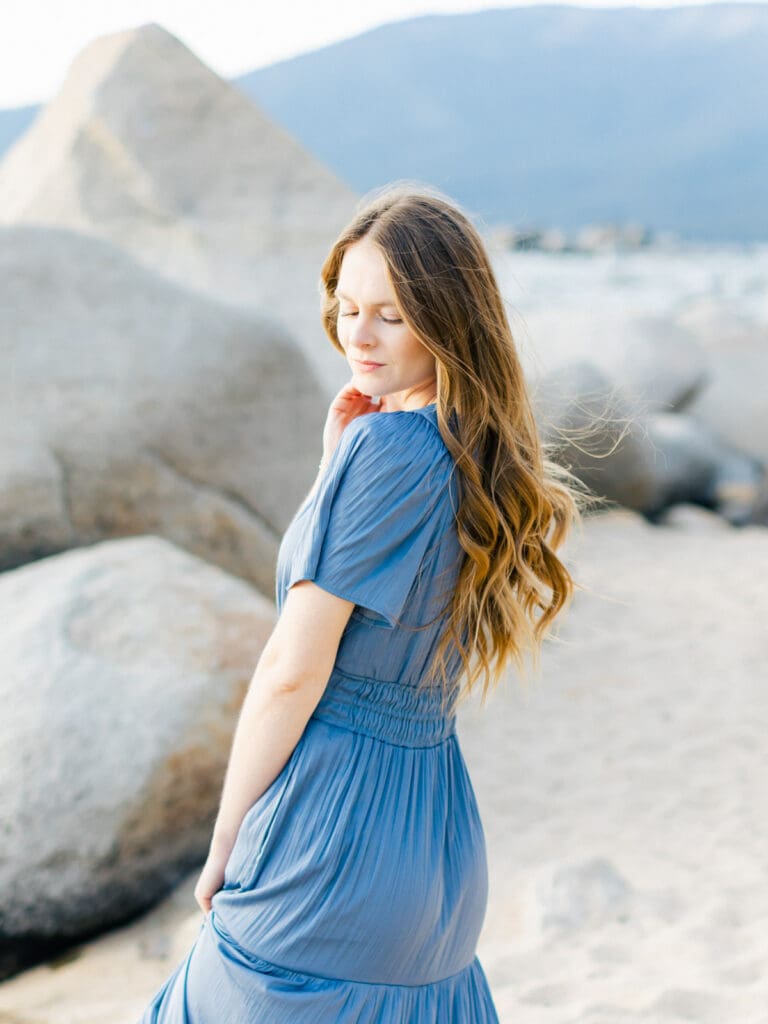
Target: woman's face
x: 371, y: 331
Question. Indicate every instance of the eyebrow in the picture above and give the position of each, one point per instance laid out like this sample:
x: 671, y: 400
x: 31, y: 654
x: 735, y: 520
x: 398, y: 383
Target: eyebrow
x: 375, y: 305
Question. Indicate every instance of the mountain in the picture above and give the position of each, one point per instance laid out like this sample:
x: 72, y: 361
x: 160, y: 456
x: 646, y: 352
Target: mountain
x: 551, y: 115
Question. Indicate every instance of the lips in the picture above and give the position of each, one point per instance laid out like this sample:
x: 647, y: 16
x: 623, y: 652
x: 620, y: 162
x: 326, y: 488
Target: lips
x: 367, y: 365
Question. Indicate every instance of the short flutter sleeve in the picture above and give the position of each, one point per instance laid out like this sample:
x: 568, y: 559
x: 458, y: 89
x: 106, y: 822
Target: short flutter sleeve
x: 378, y: 506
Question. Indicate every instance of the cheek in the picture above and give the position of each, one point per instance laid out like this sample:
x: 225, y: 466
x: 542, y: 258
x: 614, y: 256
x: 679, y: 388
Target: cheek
x: 417, y: 354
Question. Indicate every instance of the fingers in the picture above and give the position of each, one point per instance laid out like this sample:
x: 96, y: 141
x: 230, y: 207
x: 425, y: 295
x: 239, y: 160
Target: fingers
x: 351, y: 402
x: 350, y: 392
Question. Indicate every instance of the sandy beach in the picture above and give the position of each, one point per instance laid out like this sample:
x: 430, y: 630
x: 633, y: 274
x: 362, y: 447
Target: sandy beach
x: 624, y: 806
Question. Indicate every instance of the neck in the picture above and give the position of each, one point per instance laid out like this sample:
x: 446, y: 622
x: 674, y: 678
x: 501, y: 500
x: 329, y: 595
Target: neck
x: 400, y: 402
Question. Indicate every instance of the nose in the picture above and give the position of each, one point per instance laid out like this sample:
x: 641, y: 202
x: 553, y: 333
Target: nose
x: 361, y: 330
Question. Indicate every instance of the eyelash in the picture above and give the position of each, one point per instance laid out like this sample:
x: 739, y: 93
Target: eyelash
x: 384, y: 319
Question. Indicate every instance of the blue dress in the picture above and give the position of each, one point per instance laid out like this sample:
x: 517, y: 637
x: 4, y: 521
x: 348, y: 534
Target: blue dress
x: 357, y: 885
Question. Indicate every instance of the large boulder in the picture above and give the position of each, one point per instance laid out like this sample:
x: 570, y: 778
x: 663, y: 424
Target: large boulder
x: 136, y: 406
x: 679, y: 330
x: 125, y: 665
x: 146, y: 146
x: 590, y: 426
x: 658, y: 362
x: 694, y: 465
x: 646, y: 460
x: 109, y: 979
x: 736, y: 344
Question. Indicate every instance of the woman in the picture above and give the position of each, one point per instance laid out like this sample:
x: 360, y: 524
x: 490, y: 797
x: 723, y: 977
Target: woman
x: 347, y: 877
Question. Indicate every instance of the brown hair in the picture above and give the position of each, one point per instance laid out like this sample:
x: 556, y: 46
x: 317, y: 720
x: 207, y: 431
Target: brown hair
x: 515, y: 505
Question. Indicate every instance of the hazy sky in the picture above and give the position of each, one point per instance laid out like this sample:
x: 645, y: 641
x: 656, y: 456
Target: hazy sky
x: 40, y: 38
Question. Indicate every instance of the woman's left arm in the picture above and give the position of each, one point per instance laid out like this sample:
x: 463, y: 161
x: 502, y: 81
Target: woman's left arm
x: 288, y: 682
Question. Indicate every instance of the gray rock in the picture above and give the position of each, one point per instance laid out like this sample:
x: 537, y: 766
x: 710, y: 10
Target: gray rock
x: 658, y: 362
x: 593, y: 428
x: 146, y: 146
x: 125, y: 665
x: 694, y: 465
x: 733, y: 404
x: 647, y: 461
x: 135, y: 406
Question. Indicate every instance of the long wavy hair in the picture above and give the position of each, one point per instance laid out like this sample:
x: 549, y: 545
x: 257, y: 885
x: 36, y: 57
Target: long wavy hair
x: 516, y: 505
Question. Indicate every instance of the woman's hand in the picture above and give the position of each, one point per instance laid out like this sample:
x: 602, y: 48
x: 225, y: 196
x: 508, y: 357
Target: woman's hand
x: 211, y: 879
x: 348, y: 404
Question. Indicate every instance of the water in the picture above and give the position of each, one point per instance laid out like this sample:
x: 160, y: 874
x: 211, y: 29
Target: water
x: 664, y: 282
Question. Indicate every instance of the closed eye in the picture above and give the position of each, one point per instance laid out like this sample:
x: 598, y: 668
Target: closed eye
x: 384, y: 319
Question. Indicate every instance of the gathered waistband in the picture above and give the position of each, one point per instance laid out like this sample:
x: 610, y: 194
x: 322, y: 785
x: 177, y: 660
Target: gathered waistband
x: 394, y: 712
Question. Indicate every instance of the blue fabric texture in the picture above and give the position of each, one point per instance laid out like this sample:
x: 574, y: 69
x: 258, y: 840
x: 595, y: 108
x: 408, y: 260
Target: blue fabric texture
x: 357, y: 885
